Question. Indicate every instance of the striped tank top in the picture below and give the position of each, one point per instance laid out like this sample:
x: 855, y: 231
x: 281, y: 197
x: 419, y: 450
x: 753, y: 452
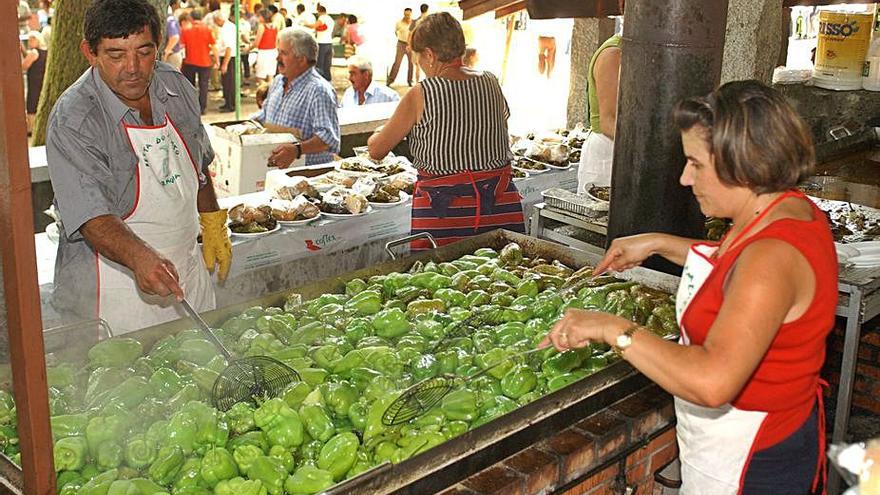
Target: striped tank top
x: 463, y: 126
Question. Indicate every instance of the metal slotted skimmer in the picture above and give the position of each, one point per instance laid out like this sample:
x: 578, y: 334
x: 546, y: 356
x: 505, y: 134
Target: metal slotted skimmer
x: 251, y: 379
x: 421, y: 397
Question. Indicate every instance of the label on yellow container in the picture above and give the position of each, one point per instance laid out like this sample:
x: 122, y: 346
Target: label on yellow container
x: 840, y: 53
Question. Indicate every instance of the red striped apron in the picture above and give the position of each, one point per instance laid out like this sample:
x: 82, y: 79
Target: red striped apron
x: 453, y: 207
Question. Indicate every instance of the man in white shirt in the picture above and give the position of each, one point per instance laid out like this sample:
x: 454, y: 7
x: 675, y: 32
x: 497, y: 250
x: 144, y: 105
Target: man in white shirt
x: 324, y: 37
x: 303, y: 19
x: 401, y: 29
x: 228, y: 60
x: 362, y: 90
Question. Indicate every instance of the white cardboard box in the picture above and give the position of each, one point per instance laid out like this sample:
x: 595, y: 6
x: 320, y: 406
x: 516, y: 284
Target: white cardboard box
x: 240, y: 166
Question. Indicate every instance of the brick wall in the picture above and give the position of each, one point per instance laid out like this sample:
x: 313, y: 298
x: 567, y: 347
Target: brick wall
x: 638, y: 430
x: 866, y: 389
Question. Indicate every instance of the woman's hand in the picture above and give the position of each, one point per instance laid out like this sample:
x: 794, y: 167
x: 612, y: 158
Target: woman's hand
x: 578, y: 328
x: 627, y: 252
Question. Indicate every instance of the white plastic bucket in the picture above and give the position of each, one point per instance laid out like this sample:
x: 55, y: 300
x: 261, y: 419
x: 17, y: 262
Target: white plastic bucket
x: 840, y: 53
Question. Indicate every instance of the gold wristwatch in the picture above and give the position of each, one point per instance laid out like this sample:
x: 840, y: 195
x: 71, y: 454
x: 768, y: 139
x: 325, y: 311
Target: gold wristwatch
x: 624, y: 340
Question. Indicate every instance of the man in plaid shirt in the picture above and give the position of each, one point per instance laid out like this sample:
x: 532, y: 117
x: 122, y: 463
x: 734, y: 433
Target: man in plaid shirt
x: 299, y: 98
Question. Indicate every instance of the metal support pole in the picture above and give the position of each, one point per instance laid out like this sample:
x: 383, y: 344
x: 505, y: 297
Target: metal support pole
x: 671, y: 49
x: 853, y: 317
x: 236, y: 7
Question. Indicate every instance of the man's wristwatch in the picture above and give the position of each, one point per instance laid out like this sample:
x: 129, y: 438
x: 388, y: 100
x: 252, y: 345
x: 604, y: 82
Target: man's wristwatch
x: 299, y: 149
x: 624, y: 340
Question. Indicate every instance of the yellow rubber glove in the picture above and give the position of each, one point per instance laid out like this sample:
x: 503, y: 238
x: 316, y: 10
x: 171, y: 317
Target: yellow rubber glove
x: 216, y: 248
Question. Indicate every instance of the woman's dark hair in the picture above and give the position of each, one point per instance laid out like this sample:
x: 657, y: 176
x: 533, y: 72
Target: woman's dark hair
x: 441, y: 33
x: 757, y: 139
x: 120, y: 19
x: 352, y: 19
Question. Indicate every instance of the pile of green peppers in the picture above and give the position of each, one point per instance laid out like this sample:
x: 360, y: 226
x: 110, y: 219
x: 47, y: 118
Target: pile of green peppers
x: 130, y: 422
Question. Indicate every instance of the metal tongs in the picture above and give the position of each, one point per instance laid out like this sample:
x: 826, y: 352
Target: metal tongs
x: 249, y: 379
x: 422, y: 396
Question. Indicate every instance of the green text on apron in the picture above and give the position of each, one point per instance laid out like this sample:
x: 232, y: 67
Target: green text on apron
x: 165, y: 216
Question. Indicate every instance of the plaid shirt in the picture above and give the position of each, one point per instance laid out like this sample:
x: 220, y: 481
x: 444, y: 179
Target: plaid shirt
x: 308, y: 105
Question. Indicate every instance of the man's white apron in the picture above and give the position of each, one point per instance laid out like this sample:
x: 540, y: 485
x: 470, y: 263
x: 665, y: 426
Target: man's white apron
x: 165, y: 216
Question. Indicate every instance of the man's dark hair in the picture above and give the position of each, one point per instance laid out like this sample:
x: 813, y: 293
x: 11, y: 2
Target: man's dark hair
x: 273, y: 9
x: 196, y: 15
x: 407, y: 9
x: 300, y: 8
x: 352, y: 19
x: 120, y: 19
x: 423, y: 8
x: 321, y: 9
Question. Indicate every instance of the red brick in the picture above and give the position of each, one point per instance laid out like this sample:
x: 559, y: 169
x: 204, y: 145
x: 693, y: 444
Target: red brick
x: 867, y: 403
x: 577, y: 453
x: 496, y: 479
x: 540, y: 469
x: 662, y: 456
x: 637, y: 473
x: 866, y: 370
x: 603, y: 477
x: 867, y: 354
x: 608, y: 430
x: 457, y: 490
x: 871, y: 338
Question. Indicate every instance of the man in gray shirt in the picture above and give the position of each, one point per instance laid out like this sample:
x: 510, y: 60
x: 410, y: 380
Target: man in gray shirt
x: 127, y: 158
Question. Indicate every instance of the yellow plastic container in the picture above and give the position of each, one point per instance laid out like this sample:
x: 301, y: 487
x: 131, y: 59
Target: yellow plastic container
x: 840, y: 53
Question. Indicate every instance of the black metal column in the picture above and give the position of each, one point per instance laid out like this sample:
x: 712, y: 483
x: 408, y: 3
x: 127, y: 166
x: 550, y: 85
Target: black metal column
x: 671, y: 49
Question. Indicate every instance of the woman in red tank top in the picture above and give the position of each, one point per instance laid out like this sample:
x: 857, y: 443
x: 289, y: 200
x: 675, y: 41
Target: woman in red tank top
x: 754, y: 310
x: 264, y: 42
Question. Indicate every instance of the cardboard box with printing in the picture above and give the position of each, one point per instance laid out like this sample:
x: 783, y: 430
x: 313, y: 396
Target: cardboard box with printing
x: 241, y: 158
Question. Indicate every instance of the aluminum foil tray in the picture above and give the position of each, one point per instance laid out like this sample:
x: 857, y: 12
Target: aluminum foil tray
x: 569, y: 202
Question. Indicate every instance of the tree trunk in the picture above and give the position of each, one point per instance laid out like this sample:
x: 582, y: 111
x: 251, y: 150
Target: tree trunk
x: 65, y: 63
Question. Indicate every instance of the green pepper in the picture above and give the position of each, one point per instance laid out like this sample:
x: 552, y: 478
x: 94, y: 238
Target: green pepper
x: 357, y: 329
x: 211, y: 429
x: 101, y: 381
x: 511, y: 254
x: 293, y: 395
x: 357, y: 414
x: 69, y: 425
x: 496, y: 361
x: 100, y: 484
x: 307, y: 480
x: 450, y: 297
x: 447, y: 361
x: 326, y: 356
x: 316, y: 306
x: 199, y: 351
x: 355, y: 286
x: 308, y: 453
x: 380, y: 387
x: 317, y: 422
x: 281, y: 424
x: 270, y: 472
x: 311, y: 333
x: 425, y: 366
x: 476, y: 298
x: 117, y: 352
x: 284, y: 456
x: 189, y: 479
x: 562, y: 363
x: 255, y: 438
x: 460, y: 404
x: 140, y: 451
x: 189, y: 392
x: 339, y: 396
x: 313, y: 376
x: 431, y: 281
x: 70, y: 453
x: 218, y: 465
x: 409, y: 293
x: 245, y: 455
x: 375, y: 428
x: 563, y: 380
x: 412, y: 341
x: 429, y: 328
x: 367, y: 302
x: 240, y: 486
x: 453, y: 429
x: 391, y: 323
x: 104, y: 429
x: 167, y: 464
x: 425, y: 306
x: 240, y: 417
x: 518, y: 381
x: 339, y: 454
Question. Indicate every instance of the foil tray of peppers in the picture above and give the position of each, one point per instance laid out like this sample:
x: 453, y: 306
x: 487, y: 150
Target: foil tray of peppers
x: 138, y: 421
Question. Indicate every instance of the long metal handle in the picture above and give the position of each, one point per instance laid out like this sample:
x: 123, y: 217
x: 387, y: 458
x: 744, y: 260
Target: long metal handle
x: 205, y: 328
x: 409, y: 238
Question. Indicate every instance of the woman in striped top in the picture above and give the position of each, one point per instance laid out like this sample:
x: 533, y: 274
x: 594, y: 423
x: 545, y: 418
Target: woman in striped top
x: 456, y: 124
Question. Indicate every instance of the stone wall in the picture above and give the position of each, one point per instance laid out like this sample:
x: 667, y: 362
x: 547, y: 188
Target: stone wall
x: 824, y: 109
x: 753, y: 39
x: 586, y: 36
